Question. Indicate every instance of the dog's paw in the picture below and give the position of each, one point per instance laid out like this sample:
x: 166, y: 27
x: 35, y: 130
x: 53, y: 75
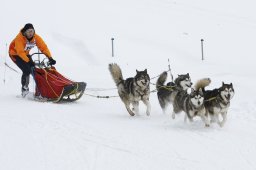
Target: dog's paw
x: 173, y: 116
x: 221, y: 124
x: 207, y: 125
x: 148, y: 112
x: 131, y: 113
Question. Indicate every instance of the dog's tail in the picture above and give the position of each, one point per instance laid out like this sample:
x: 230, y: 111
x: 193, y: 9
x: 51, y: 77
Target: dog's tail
x: 116, y: 73
x: 202, y: 83
x: 161, y: 80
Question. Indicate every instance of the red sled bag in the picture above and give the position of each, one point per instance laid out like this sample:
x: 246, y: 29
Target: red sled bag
x: 53, y: 86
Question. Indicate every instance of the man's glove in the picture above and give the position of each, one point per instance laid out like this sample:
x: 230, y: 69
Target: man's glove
x: 52, y: 61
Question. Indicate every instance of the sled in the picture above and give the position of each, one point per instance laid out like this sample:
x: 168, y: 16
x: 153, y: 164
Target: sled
x: 53, y: 86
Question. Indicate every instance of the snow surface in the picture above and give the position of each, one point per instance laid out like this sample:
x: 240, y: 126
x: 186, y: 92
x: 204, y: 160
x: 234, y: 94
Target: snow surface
x: 98, y: 133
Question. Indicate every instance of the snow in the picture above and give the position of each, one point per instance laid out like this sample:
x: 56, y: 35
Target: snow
x: 99, y: 134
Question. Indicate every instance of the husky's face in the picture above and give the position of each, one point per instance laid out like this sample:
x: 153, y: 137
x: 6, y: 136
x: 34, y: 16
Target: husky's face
x: 197, y: 97
x: 184, y: 81
x: 142, y: 78
x: 227, y: 91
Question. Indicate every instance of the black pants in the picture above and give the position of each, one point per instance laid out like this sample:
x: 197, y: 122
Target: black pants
x: 25, y: 68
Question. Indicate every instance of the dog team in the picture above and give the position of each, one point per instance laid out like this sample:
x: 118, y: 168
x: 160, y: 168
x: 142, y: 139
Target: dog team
x: 211, y: 105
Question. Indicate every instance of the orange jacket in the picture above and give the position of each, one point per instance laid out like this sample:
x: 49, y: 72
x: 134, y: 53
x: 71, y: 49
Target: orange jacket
x: 20, y: 46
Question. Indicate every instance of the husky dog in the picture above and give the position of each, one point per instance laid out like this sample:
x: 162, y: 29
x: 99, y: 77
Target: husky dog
x: 192, y: 104
x: 166, y: 92
x: 133, y: 89
x: 217, y: 101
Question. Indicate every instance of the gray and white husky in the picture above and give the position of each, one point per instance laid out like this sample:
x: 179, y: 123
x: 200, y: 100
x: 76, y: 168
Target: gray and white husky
x: 133, y: 89
x: 166, y: 93
x: 217, y: 101
x: 192, y: 104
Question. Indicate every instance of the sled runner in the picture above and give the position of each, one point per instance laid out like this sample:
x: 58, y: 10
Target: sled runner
x: 53, y: 86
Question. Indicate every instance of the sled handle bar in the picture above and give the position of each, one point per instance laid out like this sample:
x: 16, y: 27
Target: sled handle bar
x: 35, y: 53
x: 41, y: 64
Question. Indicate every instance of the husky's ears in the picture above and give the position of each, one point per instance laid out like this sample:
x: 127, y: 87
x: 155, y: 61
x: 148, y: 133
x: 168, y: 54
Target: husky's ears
x: 231, y: 84
x: 200, y: 90
x: 223, y: 83
x: 143, y: 71
x: 188, y: 74
x: 192, y: 90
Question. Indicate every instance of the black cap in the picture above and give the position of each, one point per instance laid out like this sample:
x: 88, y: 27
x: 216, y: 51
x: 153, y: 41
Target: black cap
x: 26, y: 27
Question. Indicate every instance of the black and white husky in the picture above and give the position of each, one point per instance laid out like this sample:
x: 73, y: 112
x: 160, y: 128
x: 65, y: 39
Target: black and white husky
x: 192, y: 104
x: 132, y: 90
x: 217, y: 101
x: 166, y: 93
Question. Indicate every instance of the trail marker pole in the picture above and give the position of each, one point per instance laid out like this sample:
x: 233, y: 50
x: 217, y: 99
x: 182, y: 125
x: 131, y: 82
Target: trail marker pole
x: 202, y: 48
x: 112, y: 42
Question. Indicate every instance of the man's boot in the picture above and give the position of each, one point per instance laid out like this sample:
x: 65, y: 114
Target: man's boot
x: 25, y: 83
